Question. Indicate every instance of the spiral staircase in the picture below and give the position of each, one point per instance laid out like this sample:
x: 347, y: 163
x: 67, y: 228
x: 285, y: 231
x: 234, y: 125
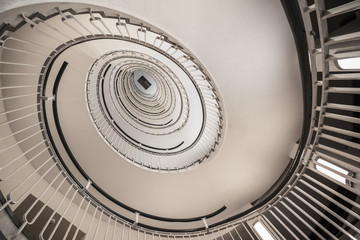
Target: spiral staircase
x: 111, y: 128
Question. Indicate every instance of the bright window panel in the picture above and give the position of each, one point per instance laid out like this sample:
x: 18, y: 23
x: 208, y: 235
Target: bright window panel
x: 262, y: 231
x: 332, y: 174
x: 349, y: 63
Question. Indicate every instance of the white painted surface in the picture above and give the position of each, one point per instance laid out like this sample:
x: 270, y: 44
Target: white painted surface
x: 247, y: 48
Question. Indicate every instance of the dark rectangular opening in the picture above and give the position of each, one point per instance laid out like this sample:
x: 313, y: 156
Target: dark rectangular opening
x: 144, y: 82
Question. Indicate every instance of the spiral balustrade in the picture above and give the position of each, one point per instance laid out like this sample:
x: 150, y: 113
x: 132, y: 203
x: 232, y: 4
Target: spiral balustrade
x: 131, y: 94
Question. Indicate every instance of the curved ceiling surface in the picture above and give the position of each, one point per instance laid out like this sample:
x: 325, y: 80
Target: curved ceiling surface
x: 257, y: 77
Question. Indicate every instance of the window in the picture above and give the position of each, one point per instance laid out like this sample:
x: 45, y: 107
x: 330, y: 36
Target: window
x: 349, y: 63
x: 332, y: 174
x: 262, y: 231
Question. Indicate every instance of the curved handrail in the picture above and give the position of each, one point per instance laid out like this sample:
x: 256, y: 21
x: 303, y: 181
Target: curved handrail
x: 289, y: 193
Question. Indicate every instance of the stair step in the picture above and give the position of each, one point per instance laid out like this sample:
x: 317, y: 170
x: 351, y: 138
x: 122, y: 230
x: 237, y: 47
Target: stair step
x: 345, y: 8
x: 343, y: 118
x: 344, y: 76
x: 348, y: 90
x: 343, y: 38
x: 341, y: 141
x: 341, y: 131
x: 345, y: 107
x: 343, y: 55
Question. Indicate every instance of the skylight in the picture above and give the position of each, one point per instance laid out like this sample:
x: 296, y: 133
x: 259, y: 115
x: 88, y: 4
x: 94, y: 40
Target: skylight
x: 330, y: 173
x: 144, y: 82
x: 349, y: 63
x: 262, y: 231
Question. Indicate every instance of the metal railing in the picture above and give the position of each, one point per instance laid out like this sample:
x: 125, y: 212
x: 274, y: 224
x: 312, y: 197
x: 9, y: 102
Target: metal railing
x: 310, y: 204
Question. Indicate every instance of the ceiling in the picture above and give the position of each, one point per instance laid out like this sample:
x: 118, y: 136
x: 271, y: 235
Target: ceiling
x: 253, y: 62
